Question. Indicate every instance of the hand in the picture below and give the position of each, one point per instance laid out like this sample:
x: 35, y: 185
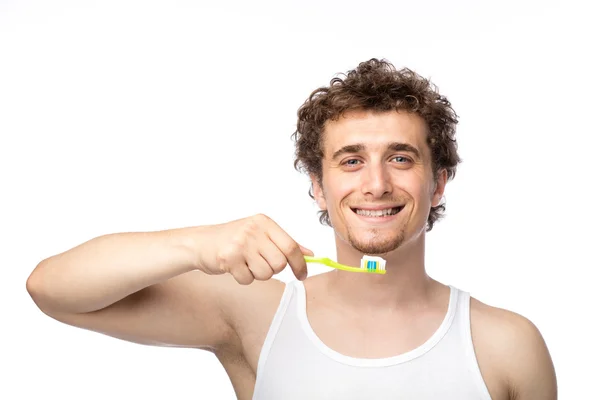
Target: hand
x: 251, y: 248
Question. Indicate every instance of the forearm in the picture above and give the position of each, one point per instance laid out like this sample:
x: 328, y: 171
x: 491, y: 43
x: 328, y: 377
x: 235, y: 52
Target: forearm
x: 108, y: 268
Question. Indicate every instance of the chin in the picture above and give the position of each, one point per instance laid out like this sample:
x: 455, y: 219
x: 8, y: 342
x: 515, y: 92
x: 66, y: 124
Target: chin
x: 376, y: 245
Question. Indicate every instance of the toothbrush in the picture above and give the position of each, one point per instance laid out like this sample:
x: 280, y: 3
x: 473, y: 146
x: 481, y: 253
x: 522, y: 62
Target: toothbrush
x: 368, y: 264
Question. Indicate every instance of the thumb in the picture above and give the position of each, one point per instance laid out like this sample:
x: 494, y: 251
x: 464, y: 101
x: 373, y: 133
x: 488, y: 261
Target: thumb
x: 306, y: 251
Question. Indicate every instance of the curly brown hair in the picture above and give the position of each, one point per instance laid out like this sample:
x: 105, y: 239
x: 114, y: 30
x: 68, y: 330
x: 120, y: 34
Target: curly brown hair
x: 376, y: 85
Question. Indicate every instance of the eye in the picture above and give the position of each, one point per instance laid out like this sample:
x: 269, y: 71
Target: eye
x: 351, y: 161
x: 406, y: 159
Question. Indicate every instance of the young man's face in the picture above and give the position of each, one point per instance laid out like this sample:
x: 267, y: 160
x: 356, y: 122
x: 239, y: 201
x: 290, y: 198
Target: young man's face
x: 377, y: 161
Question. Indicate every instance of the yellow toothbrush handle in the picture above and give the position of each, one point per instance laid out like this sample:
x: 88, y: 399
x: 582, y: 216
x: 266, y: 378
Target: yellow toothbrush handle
x: 333, y: 264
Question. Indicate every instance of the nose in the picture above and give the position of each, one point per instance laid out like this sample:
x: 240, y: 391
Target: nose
x: 376, y: 181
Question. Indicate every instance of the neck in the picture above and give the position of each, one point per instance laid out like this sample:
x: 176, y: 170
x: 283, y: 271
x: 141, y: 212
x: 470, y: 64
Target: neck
x: 404, y: 284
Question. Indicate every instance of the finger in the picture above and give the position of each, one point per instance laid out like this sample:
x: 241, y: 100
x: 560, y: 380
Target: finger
x: 290, y: 249
x: 273, y: 255
x: 306, y: 251
x: 259, y: 267
x: 242, y: 274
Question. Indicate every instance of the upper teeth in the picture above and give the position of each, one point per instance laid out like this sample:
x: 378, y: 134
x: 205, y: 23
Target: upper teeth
x: 375, y: 213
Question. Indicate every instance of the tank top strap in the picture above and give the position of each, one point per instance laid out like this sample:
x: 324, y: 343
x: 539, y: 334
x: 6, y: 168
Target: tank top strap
x: 286, y: 298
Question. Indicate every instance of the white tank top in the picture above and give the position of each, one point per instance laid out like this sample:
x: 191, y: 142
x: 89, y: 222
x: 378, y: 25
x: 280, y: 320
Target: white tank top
x: 294, y: 364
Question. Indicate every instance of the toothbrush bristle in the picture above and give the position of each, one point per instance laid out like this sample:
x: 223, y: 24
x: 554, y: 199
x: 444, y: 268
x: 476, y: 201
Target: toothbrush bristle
x: 371, y: 263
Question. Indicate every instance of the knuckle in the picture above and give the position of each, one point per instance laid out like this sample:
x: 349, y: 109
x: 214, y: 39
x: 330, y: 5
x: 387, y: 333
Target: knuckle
x: 251, y: 227
x: 260, y: 217
x: 262, y: 274
x: 279, y: 264
x: 289, y: 248
x: 238, y: 242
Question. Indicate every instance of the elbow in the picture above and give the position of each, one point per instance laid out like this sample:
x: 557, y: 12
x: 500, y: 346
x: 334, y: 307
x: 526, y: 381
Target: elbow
x: 34, y: 287
x: 33, y: 283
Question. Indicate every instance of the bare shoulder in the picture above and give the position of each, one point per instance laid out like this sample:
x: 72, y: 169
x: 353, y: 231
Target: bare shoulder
x: 512, y: 354
x: 253, y: 303
x: 249, y: 311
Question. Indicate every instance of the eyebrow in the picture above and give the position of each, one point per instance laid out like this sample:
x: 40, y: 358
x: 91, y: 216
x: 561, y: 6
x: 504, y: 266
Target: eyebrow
x: 394, y: 146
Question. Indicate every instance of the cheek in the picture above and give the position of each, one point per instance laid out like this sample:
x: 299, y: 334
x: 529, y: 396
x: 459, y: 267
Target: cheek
x: 426, y: 197
x: 420, y: 192
x: 344, y: 189
x: 337, y: 190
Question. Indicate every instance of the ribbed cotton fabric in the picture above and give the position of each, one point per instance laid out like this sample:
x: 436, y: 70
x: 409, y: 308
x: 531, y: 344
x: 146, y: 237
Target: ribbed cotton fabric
x: 294, y: 364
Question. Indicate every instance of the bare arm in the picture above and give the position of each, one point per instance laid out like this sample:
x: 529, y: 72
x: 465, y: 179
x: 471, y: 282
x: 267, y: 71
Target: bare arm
x: 512, y: 355
x: 530, y: 370
x: 143, y: 287
x: 156, y: 287
x: 108, y: 268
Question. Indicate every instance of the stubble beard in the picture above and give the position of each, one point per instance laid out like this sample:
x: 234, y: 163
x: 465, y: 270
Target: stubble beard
x: 377, y: 244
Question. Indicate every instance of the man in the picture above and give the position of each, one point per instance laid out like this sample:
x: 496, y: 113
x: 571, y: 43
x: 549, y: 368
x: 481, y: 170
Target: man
x: 379, y: 148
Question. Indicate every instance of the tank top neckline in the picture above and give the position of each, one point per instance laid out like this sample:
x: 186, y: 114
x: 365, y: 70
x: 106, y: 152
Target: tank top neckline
x: 374, y: 362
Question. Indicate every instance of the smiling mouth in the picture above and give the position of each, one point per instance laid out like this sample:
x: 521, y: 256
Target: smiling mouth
x: 377, y: 213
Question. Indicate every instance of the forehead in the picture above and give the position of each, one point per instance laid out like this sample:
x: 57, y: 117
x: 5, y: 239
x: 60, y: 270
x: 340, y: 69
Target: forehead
x: 375, y: 130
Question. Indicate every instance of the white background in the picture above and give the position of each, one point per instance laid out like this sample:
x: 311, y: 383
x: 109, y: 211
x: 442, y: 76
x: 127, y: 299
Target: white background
x: 145, y: 115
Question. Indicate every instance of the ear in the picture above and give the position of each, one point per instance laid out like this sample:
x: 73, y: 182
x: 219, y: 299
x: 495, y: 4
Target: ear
x: 440, y: 185
x: 318, y: 193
